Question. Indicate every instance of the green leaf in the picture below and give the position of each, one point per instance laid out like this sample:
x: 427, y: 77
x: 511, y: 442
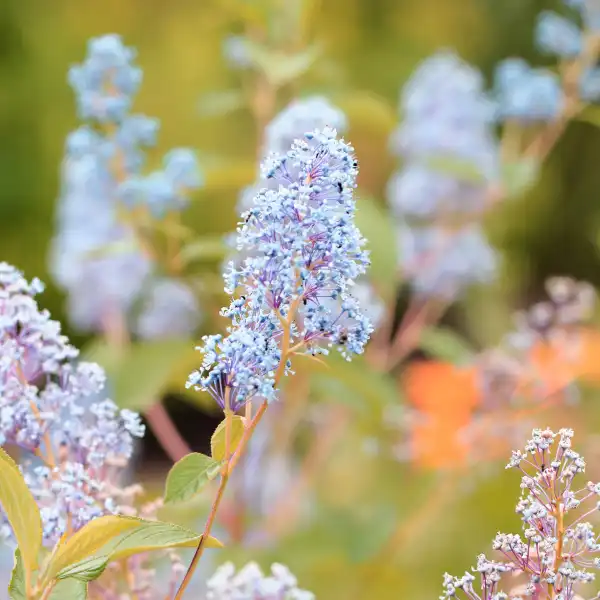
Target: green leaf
x: 69, y: 589
x: 208, y: 248
x: 355, y: 383
x: 217, y: 441
x: 189, y: 475
x: 22, y: 512
x: 461, y: 169
x: 590, y: 115
x: 376, y: 226
x: 142, y: 373
x: 519, y: 176
x: 220, y: 103
x: 86, y: 542
x: 145, y: 537
x: 85, y: 570
x: 17, y: 589
x: 446, y: 344
x: 281, y: 68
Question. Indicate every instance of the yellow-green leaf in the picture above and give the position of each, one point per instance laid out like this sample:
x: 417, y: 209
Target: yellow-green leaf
x: 22, y: 512
x: 69, y: 589
x: 205, y: 248
x: 17, y: 589
x: 189, y: 475
x: 145, y: 537
x: 85, y: 570
x: 217, y: 442
x: 88, y: 541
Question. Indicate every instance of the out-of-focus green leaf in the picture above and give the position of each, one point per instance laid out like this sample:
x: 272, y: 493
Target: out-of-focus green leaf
x: 590, y: 115
x: 69, y: 589
x: 225, y: 176
x: 445, y: 344
x: 365, y: 106
x: 189, y: 475
x: 17, y: 589
x: 21, y: 511
x: 519, y: 176
x: 217, y: 441
x: 205, y: 248
x: 377, y: 226
x: 221, y: 103
x: 461, y: 169
x: 355, y: 383
x: 141, y: 373
x: 281, y: 68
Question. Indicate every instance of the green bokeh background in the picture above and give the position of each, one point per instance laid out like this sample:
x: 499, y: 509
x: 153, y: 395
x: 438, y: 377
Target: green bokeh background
x: 369, y: 49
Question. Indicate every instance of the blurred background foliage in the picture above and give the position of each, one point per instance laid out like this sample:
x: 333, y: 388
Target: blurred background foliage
x: 353, y: 547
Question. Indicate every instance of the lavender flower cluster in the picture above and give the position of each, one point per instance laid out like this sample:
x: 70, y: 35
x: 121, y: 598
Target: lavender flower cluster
x: 553, y: 556
x: 450, y: 163
x: 76, y: 443
x: 300, y: 247
x: 99, y: 257
x: 249, y: 583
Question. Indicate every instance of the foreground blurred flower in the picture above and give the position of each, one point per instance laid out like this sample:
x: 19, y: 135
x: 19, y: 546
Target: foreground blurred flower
x: 99, y: 255
x: 75, y: 449
x: 553, y: 557
x: 249, y: 583
x: 300, y: 246
x: 451, y: 163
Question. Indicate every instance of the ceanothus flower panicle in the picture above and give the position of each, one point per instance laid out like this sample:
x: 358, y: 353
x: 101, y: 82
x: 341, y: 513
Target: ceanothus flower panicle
x: 450, y: 165
x: 97, y: 256
x: 74, y: 449
x: 301, y: 248
x: 299, y: 117
x: 552, y: 558
x: 250, y: 583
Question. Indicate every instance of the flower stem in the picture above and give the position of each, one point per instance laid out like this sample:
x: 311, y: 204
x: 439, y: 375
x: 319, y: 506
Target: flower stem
x: 232, y: 461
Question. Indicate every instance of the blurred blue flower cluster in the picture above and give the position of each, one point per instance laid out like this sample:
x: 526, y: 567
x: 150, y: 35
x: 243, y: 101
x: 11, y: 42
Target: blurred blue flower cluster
x: 529, y: 95
x: 98, y: 255
x: 450, y: 162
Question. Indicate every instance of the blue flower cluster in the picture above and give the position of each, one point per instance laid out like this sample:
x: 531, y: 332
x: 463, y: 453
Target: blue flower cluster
x: 75, y: 444
x: 450, y: 163
x: 531, y: 95
x: 300, y: 246
x: 299, y: 117
x: 97, y: 255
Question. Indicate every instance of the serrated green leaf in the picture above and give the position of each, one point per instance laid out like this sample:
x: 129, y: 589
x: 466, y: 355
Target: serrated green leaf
x: 446, y: 344
x: 205, y: 248
x: 519, y: 176
x: 141, y: 373
x: 22, y: 512
x: 217, y: 441
x: 85, y: 570
x: 17, y: 589
x: 376, y: 226
x: 69, y: 589
x: 145, y: 537
x: 189, y: 475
